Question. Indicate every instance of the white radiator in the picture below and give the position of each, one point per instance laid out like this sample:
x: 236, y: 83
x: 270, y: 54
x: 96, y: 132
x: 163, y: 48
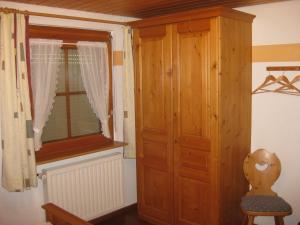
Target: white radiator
x: 88, y: 189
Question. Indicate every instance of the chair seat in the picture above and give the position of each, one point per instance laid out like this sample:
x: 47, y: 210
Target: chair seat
x: 260, y: 203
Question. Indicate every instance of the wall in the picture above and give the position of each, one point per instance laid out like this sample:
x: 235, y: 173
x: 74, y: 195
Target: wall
x: 275, y: 117
x: 275, y: 123
x: 24, y: 208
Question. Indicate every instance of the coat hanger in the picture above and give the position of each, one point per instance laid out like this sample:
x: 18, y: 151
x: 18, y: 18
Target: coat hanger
x: 286, y: 86
x: 270, y: 79
x: 290, y: 86
x: 295, y: 79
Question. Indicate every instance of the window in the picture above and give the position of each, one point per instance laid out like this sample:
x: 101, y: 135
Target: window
x: 72, y: 128
x: 72, y: 115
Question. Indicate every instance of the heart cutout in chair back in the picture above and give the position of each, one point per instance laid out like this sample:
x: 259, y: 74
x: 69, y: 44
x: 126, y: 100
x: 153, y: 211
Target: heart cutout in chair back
x: 261, y: 167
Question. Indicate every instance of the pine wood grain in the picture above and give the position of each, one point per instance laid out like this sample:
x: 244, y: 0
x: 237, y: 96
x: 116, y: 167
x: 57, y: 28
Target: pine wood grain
x: 191, y: 122
x: 152, y: 50
x: 209, y: 92
x: 142, y: 8
x: 262, y: 181
x: 235, y: 114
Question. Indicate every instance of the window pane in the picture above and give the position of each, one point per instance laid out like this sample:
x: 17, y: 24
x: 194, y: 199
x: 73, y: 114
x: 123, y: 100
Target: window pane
x: 61, y: 86
x: 56, y: 127
x: 83, y: 119
x: 75, y: 81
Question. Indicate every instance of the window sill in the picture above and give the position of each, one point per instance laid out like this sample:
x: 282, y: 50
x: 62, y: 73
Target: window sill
x: 52, y: 152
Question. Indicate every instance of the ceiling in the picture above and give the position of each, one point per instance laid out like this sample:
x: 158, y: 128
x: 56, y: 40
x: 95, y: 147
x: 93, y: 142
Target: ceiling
x: 140, y: 8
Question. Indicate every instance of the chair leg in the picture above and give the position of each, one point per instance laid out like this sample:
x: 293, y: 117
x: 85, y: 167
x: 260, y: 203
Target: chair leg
x: 245, y: 220
x: 250, y: 220
x: 279, y: 220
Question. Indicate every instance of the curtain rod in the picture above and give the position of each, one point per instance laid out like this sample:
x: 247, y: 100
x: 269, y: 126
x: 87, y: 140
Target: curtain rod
x: 10, y: 10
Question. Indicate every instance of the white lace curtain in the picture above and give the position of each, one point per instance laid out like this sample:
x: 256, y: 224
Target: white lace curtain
x: 93, y: 59
x: 45, y: 59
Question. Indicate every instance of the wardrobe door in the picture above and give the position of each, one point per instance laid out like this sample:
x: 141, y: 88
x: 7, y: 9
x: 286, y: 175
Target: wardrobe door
x: 191, y: 45
x: 153, y: 119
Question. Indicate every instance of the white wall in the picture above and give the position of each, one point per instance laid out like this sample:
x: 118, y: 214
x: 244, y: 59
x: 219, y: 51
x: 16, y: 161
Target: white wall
x: 275, y: 117
x: 275, y: 23
x: 275, y: 123
x: 24, y: 208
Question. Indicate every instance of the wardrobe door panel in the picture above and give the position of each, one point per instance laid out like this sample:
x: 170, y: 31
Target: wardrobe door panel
x: 154, y: 131
x: 155, y: 183
x: 153, y: 81
x: 194, y: 194
x: 191, y: 122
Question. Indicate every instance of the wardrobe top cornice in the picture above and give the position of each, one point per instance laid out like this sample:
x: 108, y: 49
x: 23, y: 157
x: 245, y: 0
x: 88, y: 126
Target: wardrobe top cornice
x: 202, y: 13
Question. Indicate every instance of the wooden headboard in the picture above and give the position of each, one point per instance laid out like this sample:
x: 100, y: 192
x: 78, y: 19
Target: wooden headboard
x: 59, y: 216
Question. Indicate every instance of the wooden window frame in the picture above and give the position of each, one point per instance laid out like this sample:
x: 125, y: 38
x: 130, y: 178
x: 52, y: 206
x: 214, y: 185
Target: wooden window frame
x: 71, y: 147
x: 67, y: 93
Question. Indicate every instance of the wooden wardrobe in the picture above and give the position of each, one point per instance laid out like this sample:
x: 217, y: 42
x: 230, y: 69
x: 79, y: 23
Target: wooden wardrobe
x: 193, y: 115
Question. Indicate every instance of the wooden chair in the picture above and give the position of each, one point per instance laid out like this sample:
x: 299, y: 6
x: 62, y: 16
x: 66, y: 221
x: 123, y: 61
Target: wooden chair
x: 58, y: 216
x: 261, y: 200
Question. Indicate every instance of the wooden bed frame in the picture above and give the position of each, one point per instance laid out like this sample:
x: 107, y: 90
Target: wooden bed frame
x: 59, y: 216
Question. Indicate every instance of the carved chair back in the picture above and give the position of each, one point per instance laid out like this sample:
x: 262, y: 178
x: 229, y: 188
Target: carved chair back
x: 262, y: 169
